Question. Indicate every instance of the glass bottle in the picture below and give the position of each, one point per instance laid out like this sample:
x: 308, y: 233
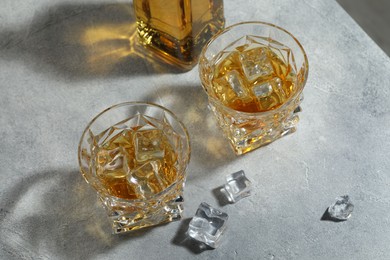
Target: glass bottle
x: 176, y: 30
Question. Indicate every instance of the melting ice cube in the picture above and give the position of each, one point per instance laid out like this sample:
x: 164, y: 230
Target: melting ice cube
x: 269, y: 93
x: 208, y: 225
x: 237, y: 186
x: 255, y: 63
x: 148, y: 145
x: 146, y: 180
x: 341, y: 209
x: 231, y: 87
x: 236, y: 83
x: 109, y: 160
x: 264, y: 89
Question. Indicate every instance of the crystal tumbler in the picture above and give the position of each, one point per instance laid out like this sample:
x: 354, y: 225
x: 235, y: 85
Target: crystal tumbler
x: 135, y: 156
x: 254, y: 74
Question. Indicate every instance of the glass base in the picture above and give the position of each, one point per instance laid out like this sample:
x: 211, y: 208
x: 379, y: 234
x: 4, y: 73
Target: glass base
x: 127, y: 216
x: 126, y: 223
x: 247, y: 133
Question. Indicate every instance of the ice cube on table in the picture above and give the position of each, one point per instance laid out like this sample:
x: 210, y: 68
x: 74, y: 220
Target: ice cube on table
x: 341, y: 209
x: 148, y: 145
x: 207, y: 225
x: 147, y: 180
x: 255, y: 63
x: 237, y: 186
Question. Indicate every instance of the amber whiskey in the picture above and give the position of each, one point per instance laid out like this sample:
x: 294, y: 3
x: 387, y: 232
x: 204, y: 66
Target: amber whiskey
x: 253, y: 77
x: 176, y: 30
x: 136, y: 163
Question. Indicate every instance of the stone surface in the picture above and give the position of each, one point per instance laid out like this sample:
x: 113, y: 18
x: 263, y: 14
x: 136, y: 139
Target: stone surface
x: 62, y: 62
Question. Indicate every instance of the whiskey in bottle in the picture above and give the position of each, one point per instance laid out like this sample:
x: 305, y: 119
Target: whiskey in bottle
x: 176, y: 30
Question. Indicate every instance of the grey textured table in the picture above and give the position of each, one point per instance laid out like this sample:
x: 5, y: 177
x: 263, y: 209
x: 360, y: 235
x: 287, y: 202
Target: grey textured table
x: 62, y: 62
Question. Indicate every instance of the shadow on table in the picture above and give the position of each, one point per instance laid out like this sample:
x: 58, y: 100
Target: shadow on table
x: 327, y: 217
x: 81, y: 42
x: 219, y: 194
x: 55, y: 213
x: 209, y: 148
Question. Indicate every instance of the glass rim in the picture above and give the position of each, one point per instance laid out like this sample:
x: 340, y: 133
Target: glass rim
x: 135, y: 103
x: 261, y: 23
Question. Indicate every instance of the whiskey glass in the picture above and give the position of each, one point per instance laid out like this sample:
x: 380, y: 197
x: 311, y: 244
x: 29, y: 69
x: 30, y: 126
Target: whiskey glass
x: 135, y: 155
x: 254, y: 74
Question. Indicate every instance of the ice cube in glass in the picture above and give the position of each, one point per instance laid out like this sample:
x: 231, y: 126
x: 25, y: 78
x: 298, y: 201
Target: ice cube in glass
x: 148, y: 145
x: 255, y: 63
x: 147, y: 180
